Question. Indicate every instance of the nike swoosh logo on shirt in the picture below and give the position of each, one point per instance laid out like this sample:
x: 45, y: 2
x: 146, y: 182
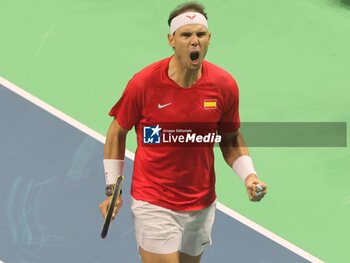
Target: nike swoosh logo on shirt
x: 161, y: 106
x: 205, y: 243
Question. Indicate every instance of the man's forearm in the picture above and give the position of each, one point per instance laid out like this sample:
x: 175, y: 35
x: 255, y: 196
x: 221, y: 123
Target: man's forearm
x: 114, y: 152
x: 114, y: 148
x: 236, y: 155
x: 232, y: 147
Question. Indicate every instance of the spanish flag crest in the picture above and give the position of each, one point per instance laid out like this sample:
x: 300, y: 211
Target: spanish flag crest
x: 210, y: 104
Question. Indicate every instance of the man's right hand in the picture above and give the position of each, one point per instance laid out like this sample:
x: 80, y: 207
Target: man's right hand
x: 105, y: 204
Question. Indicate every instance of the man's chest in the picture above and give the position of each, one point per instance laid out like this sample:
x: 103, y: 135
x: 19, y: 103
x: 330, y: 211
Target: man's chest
x: 168, y: 104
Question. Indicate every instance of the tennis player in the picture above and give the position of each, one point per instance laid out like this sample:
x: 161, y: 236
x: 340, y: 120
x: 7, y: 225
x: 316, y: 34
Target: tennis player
x: 173, y: 184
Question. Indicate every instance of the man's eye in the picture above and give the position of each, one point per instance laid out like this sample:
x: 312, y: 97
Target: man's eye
x: 201, y: 34
x: 186, y: 34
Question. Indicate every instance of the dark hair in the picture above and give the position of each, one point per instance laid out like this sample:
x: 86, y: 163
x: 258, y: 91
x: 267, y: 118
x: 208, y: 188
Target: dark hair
x: 187, y: 7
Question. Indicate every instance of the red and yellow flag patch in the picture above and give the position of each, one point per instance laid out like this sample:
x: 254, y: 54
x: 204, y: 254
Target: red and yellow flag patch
x: 210, y: 104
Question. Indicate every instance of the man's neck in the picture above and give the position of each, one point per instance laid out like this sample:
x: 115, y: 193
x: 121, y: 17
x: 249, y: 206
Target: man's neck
x: 183, y: 77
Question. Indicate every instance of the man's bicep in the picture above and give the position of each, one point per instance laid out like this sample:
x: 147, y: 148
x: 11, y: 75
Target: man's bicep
x: 115, y: 130
x: 115, y: 141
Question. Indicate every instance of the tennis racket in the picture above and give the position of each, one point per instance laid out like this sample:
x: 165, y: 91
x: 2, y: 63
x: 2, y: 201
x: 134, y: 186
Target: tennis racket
x: 115, y: 196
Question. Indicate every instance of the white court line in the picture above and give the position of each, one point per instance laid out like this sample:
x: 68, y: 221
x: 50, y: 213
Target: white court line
x: 62, y: 116
x: 7, y: 84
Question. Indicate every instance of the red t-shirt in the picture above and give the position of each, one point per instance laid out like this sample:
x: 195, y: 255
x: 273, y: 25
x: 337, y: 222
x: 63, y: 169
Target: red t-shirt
x: 170, y: 171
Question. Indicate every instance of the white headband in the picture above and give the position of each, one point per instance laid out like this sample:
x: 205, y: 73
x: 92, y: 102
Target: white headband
x: 188, y: 18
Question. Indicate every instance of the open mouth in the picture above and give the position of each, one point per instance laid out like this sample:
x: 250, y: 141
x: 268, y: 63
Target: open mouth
x: 194, y: 56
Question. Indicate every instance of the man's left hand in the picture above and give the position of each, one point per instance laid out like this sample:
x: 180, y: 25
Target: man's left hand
x: 256, y: 189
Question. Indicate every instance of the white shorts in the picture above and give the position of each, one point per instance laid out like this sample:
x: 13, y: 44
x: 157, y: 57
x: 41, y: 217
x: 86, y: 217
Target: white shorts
x: 163, y: 231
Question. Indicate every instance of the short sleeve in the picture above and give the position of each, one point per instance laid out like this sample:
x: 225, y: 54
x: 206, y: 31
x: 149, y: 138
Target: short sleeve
x: 230, y: 120
x: 128, y: 109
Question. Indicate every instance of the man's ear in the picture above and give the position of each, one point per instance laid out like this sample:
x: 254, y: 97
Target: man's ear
x: 171, y: 41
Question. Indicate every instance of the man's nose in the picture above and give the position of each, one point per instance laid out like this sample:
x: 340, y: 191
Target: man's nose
x: 194, y: 40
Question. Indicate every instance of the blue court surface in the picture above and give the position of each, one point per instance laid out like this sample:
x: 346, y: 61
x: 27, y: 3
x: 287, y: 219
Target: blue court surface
x: 51, y: 184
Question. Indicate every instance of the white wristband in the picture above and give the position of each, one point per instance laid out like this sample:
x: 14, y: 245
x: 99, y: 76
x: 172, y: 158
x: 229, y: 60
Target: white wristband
x: 243, y: 167
x: 113, y: 169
